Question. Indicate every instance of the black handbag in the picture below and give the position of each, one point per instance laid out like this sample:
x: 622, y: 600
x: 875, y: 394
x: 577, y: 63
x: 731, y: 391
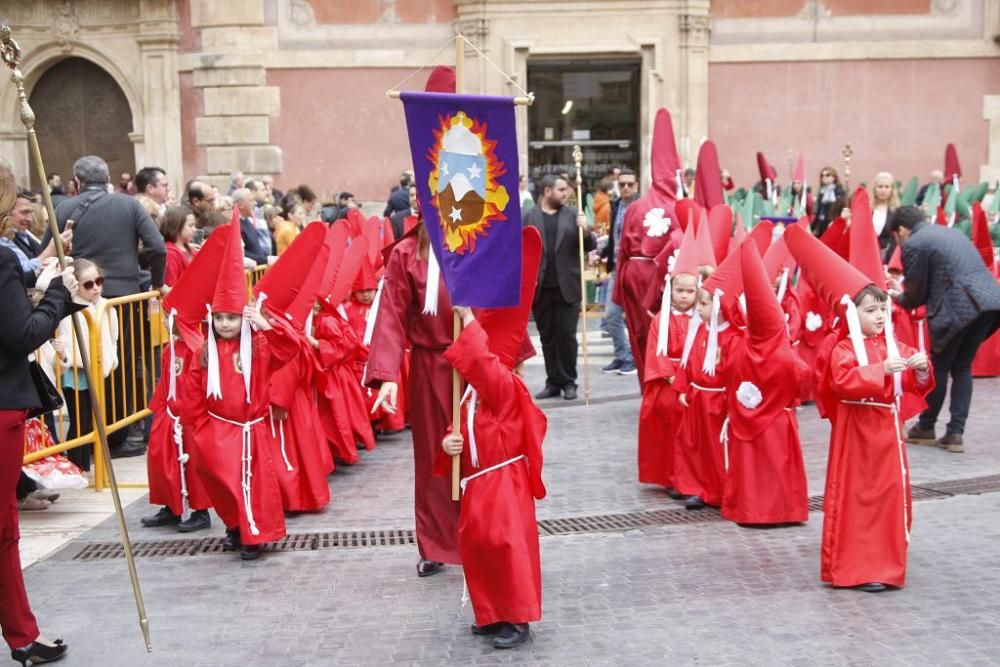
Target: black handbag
x: 48, y: 395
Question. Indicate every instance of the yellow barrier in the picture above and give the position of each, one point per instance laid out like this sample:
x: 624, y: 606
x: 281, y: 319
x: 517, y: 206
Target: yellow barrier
x: 125, y: 390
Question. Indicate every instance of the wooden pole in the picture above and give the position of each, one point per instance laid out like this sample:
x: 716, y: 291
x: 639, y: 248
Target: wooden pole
x: 848, y: 152
x: 578, y: 160
x: 456, y: 380
x: 11, y: 55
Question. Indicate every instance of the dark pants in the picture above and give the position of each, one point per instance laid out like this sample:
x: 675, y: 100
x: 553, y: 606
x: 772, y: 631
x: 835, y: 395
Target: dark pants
x: 16, y: 620
x: 956, y: 360
x: 557, y: 321
x: 134, y: 350
x: 25, y: 486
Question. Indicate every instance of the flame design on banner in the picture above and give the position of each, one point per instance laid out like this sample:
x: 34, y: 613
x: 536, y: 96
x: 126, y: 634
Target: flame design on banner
x: 464, y: 181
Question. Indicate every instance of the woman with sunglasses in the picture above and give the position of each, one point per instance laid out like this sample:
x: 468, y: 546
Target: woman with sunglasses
x: 74, y: 382
x: 830, y: 200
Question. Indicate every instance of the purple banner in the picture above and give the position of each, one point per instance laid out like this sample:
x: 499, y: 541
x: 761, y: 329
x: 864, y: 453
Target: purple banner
x: 465, y: 163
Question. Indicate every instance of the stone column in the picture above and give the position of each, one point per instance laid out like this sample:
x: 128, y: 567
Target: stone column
x: 695, y: 27
x: 991, y: 113
x: 238, y: 105
x: 158, y: 41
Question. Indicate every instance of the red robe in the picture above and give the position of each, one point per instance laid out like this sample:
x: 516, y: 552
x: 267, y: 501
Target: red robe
x: 497, y: 532
x: 400, y: 319
x: 867, y: 507
x: 661, y: 412
x: 163, y: 464
x: 222, y: 444
x: 816, y: 323
x: 302, y: 458
x: 381, y: 419
x: 699, y: 466
x: 341, y: 404
x: 766, y: 477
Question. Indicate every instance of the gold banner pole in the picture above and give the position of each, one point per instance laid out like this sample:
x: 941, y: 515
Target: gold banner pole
x: 848, y: 152
x: 11, y: 54
x: 578, y: 160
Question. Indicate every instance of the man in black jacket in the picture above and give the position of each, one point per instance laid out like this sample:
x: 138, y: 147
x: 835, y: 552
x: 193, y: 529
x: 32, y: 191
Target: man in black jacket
x: 943, y: 270
x: 556, y: 308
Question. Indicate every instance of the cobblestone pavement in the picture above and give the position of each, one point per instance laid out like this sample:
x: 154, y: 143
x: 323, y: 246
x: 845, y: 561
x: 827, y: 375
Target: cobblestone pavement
x: 705, y: 594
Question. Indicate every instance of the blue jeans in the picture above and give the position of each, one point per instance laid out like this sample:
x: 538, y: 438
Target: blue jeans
x: 613, y: 316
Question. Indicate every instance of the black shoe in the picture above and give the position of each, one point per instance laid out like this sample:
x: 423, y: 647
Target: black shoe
x: 675, y: 494
x: 873, y: 587
x: 484, y: 630
x: 128, y: 450
x: 37, y: 653
x: 569, y: 392
x: 694, y: 503
x: 548, y: 392
x: 512, y: 635
x: 231, y: 542
x: 199, y: 520
x: 250, y: 552
x: 162, y: 518
x: 426, y: 568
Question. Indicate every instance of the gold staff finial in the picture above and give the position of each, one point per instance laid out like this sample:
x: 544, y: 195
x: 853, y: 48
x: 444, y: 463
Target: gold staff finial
x: 847, y: 153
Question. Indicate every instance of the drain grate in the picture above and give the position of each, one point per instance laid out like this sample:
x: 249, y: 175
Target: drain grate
x: 578, y: 525
x: 971, y: 486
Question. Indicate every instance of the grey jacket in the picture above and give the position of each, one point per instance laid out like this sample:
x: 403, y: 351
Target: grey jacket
x: 108, y: 233
x: 944, y: 271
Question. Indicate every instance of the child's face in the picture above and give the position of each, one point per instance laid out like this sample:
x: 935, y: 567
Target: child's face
x: 227, y: 325
x: 704, y: 306
x: 364, y: 296
x: 871, y: 312
x: 91, y: 284
x: 187, y: 233
x: 684, y: 291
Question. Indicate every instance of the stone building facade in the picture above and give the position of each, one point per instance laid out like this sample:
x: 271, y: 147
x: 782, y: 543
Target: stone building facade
x: 295, y: 88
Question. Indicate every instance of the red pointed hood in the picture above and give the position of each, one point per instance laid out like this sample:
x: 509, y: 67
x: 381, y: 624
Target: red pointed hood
x: 981, y: 234
x: 799, y: 173
x: 708, y: 177
x: 686, y: 212
x: 837, y: 238
x: 506, y: 328
x: 720, y: 221
x: 336, y: 239
x: 728, y: 277
x: 765, y: 319
x: 952, y: 168
x: 230, y: 295
x: 739, y: 233
x: 830, y: 275
x: 196, y: 287
x: 865, y: 253
x: 777, y: 259
x: 372, y: 231
x: 695, y: 251
x: 298, y: 311
x: 286, y: 278
x: 664, y: 159
x: 366, y: 276
x: 348, y: 270
x: 765, y: 169
x: 654, y: 212
x: 441, y: 80
x: 762, y: 235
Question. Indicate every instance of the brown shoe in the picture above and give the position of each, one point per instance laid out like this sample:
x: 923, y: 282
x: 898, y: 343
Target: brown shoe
x: 919, y: 436
x: 952, y: 442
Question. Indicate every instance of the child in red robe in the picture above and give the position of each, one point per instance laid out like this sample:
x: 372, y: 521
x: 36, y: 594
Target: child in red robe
x: 867, y: 507
x: 700, y: 468
x: 766, y: 477
x: 501, y: 467
x: 661, y: 412
x: 225, y: 400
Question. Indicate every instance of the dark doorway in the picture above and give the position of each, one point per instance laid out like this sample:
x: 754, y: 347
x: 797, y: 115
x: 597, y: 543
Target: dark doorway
x: 80, y: 110
x: 592, y: 103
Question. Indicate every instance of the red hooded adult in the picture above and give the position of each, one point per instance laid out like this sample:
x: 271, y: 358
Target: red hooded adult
x: 649, y: 225
x: 708, y: 177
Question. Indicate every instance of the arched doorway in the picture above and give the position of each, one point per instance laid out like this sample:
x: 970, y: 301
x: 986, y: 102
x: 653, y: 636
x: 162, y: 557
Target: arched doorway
x: 81, y: 110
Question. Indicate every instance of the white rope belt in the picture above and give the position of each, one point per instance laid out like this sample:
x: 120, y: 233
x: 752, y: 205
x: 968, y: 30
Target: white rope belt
x: 715, y: 390
x: 640, y: 258
x: 468, y: 479
x: 182, y: 459
x: 894, y: 408
x: 724, y: 439
x: 281, y: 433
x: 676, y: 360
x: 247, y: 460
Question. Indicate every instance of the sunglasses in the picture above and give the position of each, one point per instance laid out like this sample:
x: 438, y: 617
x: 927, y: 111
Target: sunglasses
x: 626, y: 185
x: 825, y: 174
x: 89, y: 284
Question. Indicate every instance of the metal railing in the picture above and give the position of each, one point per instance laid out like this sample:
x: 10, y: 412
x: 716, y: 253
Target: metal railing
x: 125, y: 389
